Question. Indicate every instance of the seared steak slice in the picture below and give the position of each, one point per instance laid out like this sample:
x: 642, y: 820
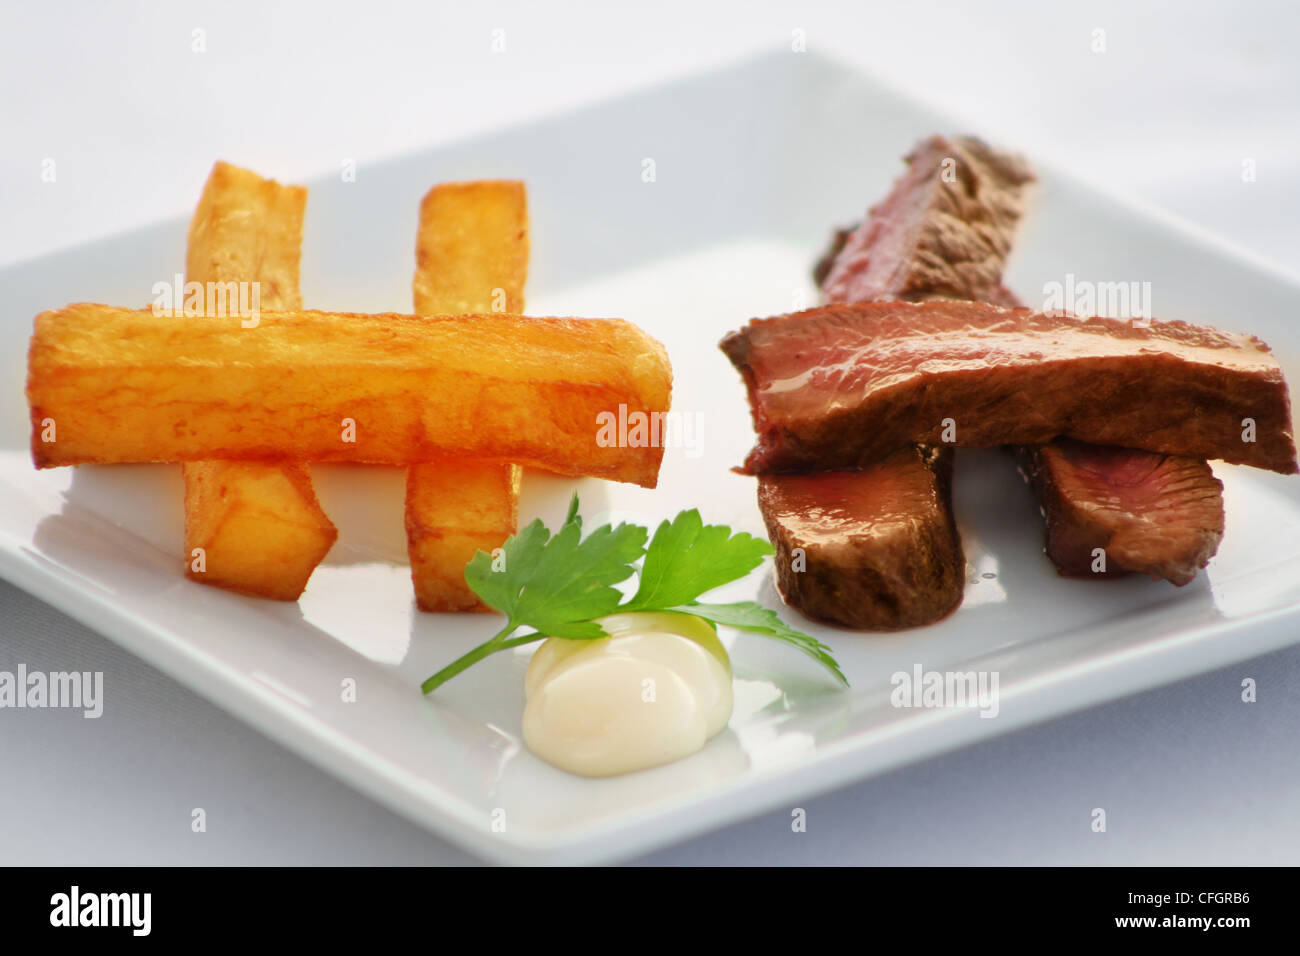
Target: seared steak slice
x: 843, y: 386
x: 945, y: 228
x: 822, y: 267
x: 1160, y: 515
x: 874, y: 549
x: 878, y: 549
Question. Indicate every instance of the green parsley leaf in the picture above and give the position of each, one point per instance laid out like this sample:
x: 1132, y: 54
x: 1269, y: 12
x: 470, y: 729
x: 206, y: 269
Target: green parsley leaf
x: 560, y: 585
x: 521, y: 551
x: 687, y: 558
x: 752, y: 617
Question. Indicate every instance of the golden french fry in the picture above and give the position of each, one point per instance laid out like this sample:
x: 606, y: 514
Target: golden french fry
x: 249, y: 526
x: 258, y: 527
x: 248, y: 229
x: 471, y: 256
x: 576, y: 396
x: 455, y: 507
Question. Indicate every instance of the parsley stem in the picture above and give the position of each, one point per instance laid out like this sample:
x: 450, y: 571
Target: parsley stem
x: 496, y: 643
x: 521, y: 641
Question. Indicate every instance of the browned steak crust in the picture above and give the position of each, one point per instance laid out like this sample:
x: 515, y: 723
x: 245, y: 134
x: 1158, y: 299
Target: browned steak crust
x: 1113, y: 510
x: 844, y: 386
x: 875, y: 549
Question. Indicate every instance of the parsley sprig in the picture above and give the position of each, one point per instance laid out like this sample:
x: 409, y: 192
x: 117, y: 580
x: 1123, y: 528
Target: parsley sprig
x: 560, y: 585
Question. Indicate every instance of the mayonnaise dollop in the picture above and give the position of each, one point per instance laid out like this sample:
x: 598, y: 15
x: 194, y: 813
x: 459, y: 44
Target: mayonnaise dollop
x: 652, y: 692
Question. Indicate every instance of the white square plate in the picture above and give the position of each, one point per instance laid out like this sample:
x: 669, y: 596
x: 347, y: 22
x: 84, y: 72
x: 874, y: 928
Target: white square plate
x: 753, y: 165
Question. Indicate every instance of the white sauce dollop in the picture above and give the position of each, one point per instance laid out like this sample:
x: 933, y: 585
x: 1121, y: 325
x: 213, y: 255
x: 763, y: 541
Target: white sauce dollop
x: 652, y: 692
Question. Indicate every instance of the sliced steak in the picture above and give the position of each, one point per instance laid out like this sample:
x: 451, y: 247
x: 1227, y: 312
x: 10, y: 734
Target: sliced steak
x: 944, y: 230
x: 1160, y: 515
x: 878, y: 549
x: 843, y: 386
x: 875, y: 549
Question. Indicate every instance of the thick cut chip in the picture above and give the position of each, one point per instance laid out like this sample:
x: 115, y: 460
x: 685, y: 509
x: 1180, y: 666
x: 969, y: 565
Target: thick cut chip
x: 257, y: 526
x: 252, y: 527
x: 471, y: 256
x: 130, y: 386
x: 248, y: 229
x: 455, y: 507
x: 472, y: 251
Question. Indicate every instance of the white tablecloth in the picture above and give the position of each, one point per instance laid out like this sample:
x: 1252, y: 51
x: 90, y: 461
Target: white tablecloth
x: 118, y: 96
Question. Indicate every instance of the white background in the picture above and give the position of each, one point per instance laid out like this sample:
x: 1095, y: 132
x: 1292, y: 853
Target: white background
x: 133, y: 117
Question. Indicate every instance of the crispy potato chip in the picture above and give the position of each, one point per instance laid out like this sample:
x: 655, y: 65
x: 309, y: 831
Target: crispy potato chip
x: 576, y: 396
x: 248, y: 229
x: 455, y: 507
x: 257, y: 527
x: 251, y: 527
x: 471, y: 256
